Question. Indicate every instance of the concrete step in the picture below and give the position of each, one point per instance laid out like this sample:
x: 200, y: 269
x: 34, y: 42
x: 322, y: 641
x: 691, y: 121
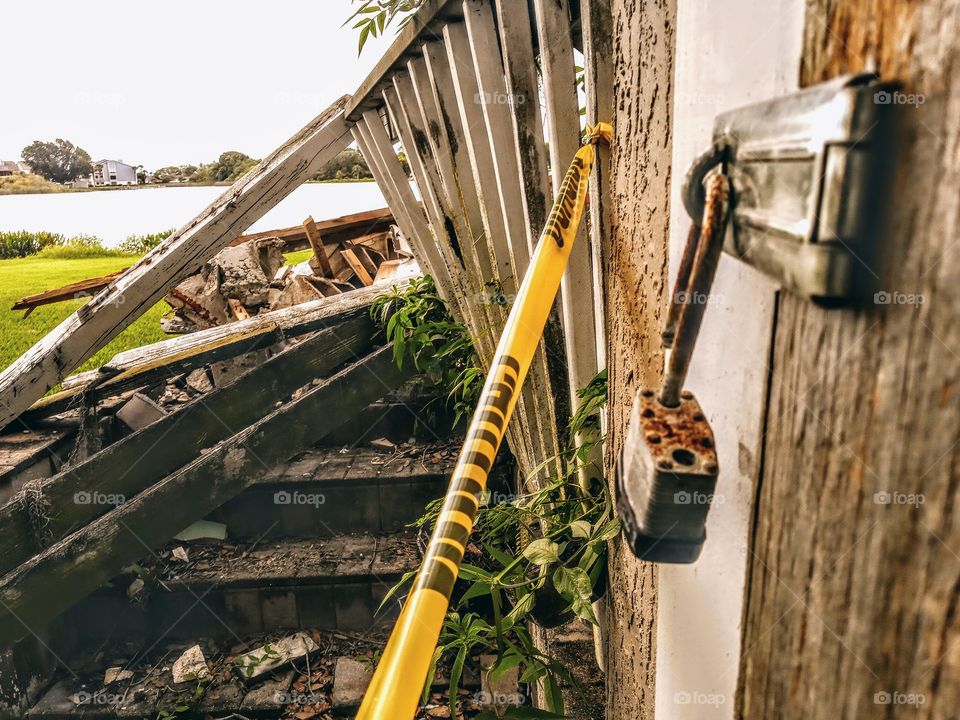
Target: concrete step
x: 330, y: 491
x: 227, y: 590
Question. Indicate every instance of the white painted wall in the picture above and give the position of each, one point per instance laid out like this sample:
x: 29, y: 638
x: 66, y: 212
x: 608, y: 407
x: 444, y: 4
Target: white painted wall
x: 728, y: 54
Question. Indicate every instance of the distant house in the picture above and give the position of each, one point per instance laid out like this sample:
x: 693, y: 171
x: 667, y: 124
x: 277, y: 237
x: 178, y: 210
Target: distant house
x: 11, y: 167
x: 112, y: 172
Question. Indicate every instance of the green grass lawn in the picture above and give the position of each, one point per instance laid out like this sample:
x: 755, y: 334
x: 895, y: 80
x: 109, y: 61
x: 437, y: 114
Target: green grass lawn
x: 26, y: 276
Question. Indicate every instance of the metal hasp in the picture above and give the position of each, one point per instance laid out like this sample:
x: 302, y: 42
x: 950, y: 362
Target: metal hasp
x: 804, y: 171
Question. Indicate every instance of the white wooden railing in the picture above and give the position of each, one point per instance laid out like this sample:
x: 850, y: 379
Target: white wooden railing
x: 483, y: 99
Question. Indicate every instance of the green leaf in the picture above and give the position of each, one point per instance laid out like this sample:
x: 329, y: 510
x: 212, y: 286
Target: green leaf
x: 608, y: 531
x: 553, y: 694
x: 506, y: 662
x: 542, y: 552
x: 363, y: 37
x: 580, y: 529
x: 476, y: 589
x: 574, y: 586
x: 523, y: 606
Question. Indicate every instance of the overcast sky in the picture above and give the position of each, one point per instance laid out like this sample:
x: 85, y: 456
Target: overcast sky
x: 176, y: 82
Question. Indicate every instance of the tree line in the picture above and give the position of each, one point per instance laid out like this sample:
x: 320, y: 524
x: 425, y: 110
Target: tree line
x: 61, y: 161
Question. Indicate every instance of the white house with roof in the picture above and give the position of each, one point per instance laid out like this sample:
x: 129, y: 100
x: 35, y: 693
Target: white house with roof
x: 112, y: 172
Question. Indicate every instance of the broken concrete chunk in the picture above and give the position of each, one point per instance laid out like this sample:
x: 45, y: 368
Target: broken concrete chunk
x: 383, y: 444
x: 116, y: 674
x: 247, y: 269
x: 190, y: 666
x: 350, y: 681
x: 267, y: 658
x: 200, y: 380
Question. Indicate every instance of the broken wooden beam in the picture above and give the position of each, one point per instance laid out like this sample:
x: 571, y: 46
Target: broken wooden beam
x: 134, y: 463
x: 332, y: 229
x: 322, y: 266
x: 358, y: 268
x: 55, y: 579
x: 126, y: 298
x: 71, y: 291
x: 144, y: 365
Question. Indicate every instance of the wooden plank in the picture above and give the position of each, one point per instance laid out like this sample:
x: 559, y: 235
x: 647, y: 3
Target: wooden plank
x: 316, y: 244
x: 296, y: 237
x: 852, y: 603
x: 381, y: 151
x: 414, y: 92
x: 523, y: 95
x: 67, y: 292
x: 144, y: 365
x: 596, y: 23
x: 136, y: 462
x: 358, y: 268
x: 495, y: 106
x: 439, y: 106
x: 409, y: 129
x: 389, y: 188
x: 129, y: 296
x: 563, y: 113
x: 368, y: 257
x: 428, y: 19
x: 238, y: 310
x: 472, y: 135
x: 387, y: 271
x: 450, y: 225
x: 52, y: 581
x: 457, y: 287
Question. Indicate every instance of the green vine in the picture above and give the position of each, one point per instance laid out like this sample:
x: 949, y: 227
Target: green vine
x: 419, y: 327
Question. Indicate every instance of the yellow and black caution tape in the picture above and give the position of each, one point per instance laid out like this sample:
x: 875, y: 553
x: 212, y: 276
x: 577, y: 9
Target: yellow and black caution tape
x: 395, y: 690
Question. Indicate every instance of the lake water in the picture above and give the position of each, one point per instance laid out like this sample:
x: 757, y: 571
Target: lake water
x: 115, y: 214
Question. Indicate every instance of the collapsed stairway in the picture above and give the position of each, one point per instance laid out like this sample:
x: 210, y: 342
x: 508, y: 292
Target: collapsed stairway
x: 312, y: 549
x: 226, y: 553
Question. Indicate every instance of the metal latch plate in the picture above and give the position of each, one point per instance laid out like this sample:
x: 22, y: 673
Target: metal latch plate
x: 803, y: 174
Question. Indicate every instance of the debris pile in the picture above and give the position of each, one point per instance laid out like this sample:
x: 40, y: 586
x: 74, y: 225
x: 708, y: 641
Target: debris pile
x: 252, y: 276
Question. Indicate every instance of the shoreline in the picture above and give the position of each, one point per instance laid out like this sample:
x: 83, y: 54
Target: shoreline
x: 157, y: 186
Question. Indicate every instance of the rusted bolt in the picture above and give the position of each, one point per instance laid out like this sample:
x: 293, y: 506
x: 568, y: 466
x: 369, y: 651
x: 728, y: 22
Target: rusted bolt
x: 647, y: 393
x: 647, y: 413
x: 664, y: 464
x: 653, y: 438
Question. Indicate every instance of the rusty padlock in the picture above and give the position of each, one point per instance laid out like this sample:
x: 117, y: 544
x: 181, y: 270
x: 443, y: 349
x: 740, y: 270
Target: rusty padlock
x: 668, y: 468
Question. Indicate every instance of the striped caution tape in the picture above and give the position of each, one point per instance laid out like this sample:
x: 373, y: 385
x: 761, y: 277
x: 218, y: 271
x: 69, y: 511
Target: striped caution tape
x: 395, y: 689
